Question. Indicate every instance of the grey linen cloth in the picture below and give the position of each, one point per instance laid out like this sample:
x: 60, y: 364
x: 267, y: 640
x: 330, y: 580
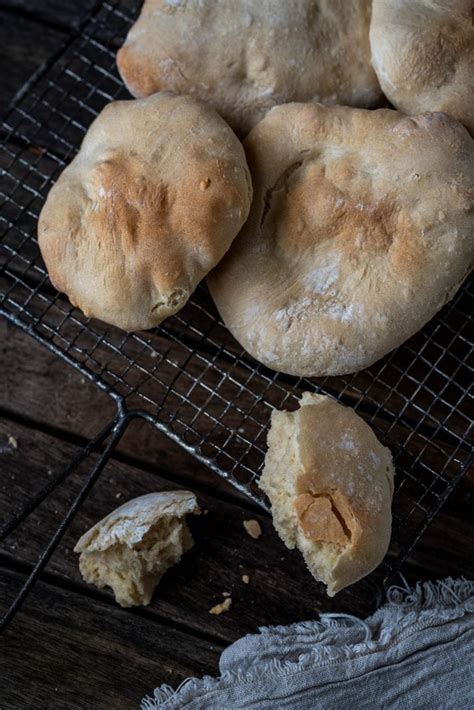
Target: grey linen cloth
x: 416, y: 651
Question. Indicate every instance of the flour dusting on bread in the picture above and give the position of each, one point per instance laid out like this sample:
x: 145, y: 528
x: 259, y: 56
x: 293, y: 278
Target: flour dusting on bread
x: 132, y: 547
x: 330, y: 483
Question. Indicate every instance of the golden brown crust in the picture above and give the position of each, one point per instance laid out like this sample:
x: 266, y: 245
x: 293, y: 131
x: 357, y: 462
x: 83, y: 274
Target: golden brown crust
x: 150, y: 204
x: 245, y: 57
x: 330, y: 483
x: 361, y: 228
x: 423, y: 53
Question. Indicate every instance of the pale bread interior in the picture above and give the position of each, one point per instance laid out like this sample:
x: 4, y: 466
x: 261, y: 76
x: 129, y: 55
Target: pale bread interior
x: 278, y: 482
x: 330, y: 482
x: 132, y: 548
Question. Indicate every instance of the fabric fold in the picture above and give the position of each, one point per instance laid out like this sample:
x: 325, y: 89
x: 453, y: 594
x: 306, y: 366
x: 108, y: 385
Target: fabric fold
x: 417, y: 651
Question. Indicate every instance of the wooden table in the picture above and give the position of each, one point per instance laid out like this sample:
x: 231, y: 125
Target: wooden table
x: 71, y: 646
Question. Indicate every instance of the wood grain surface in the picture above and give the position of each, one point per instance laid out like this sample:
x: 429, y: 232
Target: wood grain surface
x: 71, y: 646
x: 50, y: 410
x: 67, y: 650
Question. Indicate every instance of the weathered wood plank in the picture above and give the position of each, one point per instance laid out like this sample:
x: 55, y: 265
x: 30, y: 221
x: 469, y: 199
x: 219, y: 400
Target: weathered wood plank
x: 24, y: 46
x: 57, y: 13
x: 39, y: 387
x: 64, y: 651
x: 280, y: 591
x: 69, y: 651
x: 75, y: 648
x: 83, y: 80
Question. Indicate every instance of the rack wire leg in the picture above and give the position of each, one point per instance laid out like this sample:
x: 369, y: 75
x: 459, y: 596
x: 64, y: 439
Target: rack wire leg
x: 116, y: 431
x: 32, y: 504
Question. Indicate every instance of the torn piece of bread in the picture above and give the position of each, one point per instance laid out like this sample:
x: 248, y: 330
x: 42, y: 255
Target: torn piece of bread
x: 330, y: 483
x: 131, y: 548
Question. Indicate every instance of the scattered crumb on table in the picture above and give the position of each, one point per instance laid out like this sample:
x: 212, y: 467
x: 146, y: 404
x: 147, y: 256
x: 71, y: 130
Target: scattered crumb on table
x: 220, y: 608
x: 245, y: 578
x: 253, y: 528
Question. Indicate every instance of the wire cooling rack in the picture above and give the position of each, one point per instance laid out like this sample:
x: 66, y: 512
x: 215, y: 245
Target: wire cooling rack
x: 189, y: 377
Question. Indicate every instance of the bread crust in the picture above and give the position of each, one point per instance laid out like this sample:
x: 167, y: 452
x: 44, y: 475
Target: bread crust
x: 129, y: 523
x: 245, y: 57
x: 149, y: 205
x: 330, y: 483
x: 361, y: 229
x: 131, y: 548
x: 423, y: 54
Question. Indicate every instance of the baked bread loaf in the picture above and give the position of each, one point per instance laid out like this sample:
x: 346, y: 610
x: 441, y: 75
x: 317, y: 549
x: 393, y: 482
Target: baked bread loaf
x: 246, y: 56
x: 330, y: 483
x: 361, y: 228
x: 423, y: 53
x: 150, y: 204
x: 132, y: 547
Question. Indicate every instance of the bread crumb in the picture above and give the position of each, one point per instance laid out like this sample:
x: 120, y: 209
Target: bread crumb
x: 253, y: 528
x: 220, y: 608
x: 204, y: 184
x: 13, y: 441
x: 245, y: 578
x: 226, y: 594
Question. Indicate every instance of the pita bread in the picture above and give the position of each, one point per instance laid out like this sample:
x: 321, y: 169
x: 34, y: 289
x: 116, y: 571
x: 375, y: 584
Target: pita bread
x: 361, y: 228
x: 245, y: 57
x: 151, y: 203
x: 423, y: 53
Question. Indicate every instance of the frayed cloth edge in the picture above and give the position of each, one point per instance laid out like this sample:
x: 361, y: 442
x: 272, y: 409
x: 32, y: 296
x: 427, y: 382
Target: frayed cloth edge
x: 449, y: 598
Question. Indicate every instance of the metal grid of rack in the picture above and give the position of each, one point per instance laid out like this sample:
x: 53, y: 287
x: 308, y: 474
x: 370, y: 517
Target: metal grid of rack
x: 189, y: 377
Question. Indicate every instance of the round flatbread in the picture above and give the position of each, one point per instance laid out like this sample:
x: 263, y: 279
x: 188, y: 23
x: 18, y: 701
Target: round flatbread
x: 423, y: 53
x: 245, y: 56
x: 361, y: 228
x: 151, y: 203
